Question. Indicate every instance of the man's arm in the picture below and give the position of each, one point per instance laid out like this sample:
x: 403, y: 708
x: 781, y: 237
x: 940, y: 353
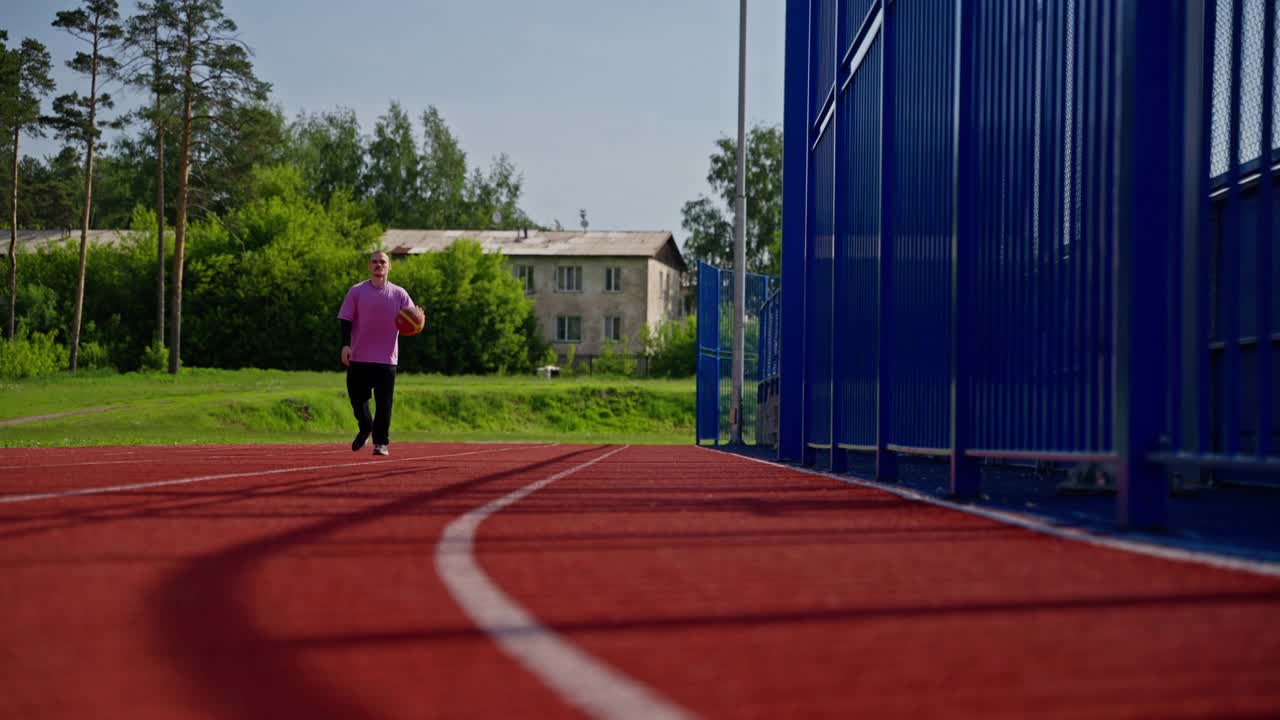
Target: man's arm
x: 346, y: 342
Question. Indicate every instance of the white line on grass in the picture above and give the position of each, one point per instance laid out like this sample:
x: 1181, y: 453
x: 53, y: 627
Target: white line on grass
x: 580, y: 679
x: 1030, y: 523
x: 225, y: 476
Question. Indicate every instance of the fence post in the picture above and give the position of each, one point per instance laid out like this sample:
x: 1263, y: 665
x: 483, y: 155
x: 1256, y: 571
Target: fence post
x: 965, y: 475
x: 886, y: 460
x: 1152, y: 71
x: 795, y: 171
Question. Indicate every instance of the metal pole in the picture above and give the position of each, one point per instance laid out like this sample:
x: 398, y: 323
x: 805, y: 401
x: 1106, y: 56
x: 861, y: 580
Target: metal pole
x: 739, y: 232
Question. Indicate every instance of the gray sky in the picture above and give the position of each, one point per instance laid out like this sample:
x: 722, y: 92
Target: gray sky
x: 609, y: 105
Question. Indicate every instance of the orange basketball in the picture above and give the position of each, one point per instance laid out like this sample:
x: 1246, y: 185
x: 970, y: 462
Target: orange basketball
x: 410, y: 321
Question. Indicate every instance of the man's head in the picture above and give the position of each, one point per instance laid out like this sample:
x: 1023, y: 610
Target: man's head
x: 379, y: 266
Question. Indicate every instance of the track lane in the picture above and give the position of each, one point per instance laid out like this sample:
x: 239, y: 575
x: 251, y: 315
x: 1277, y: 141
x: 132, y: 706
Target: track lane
x: 736, y: 589
x: 789, y: 595
x: 239, y: 602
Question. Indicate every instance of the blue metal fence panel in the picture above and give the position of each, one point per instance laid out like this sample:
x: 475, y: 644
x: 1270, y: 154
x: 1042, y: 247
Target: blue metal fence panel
x: 922, y: 210
x: 795, y: 212
x: 708, y: 399
x: 1003, y: 233
x: 1227, y: 377
x: 1042, y: 227
x: 854, y: 15
x: 822, y: 63
x: 708, y: 392
x: 715, y: 351
x: 819, y: 328
x: 856, y: 290
x: 770, y: 340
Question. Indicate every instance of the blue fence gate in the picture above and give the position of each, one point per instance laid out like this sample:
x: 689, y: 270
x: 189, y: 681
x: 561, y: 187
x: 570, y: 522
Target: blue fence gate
x: 715, y: 352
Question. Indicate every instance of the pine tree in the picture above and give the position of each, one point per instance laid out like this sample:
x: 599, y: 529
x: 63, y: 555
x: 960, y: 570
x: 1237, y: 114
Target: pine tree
x: 208, y: 69
x: 24, y: 81
x: 76, y: 117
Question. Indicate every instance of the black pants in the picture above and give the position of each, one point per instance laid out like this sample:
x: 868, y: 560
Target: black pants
x: 363, y: 378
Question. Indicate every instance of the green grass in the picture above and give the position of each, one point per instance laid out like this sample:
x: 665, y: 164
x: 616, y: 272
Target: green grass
x: 231, y: 406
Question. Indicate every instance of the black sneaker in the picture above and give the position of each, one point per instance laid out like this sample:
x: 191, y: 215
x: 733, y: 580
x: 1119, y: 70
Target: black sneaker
x: 361, y: 438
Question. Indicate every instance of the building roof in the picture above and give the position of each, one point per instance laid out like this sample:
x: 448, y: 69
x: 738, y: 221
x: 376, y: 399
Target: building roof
x: 597, y: 243
x: 31, y: 240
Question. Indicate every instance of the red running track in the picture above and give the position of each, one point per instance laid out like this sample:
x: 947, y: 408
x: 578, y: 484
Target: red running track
x: 302, y: 581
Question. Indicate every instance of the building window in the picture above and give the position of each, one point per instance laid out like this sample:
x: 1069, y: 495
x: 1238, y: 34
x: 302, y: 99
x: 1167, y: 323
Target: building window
x: 569, y: 278
x: 524, y: 273
x: 568, y: 328
x: 613, y: 279
x: 613, y: 328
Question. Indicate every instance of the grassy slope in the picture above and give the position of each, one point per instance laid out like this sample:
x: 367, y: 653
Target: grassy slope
x: 226, y: 406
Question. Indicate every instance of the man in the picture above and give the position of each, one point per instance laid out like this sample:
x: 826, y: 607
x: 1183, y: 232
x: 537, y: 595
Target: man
x: 370, y: 348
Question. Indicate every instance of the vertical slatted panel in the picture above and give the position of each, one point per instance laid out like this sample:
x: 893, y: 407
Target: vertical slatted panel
x: 857, y: 288
x: 818, y: 288
x: 923, y: 209
x: 823, y: 54
x: 708, y: 397
x: 1043, y: 109
x: 1266, y: 393
x: 852, y: 16
x: 1239, y: 364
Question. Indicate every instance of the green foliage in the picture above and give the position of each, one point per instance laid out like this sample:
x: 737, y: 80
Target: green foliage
x: 394, y: 168
x: 329, y: 151
x: 155, y: 357
x: 444, y: 176
x: 263, y: 286
x: 51, y: 191
x: 537, y: 349
x: 27, y: 355
x: 94, y: 356
x: 476, y: 311
x: 118, y: 313
x: 39, y: 306
x: 709, y: 220
x: 614, y: 361
x: 673, y: 349
x: 570, y: 354
x: 24, y: 80
x: 97, y: 25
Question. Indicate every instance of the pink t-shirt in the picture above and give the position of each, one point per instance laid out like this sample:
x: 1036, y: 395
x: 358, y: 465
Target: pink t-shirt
x: 372, y: 312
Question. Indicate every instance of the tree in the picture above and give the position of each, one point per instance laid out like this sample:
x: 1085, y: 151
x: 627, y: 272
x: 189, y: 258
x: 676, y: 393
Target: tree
x: 76, y: 117
x: 394, y: 168
x: 51, y: 191
x: 241, y: 139
x: 444, y: 174
x: 454, y: 198
x: 208, y: 68
x: 709, y: 220
x: 147, y: 42
x: 477, y: 311
x: 24, y: 80
x: 329, y: 151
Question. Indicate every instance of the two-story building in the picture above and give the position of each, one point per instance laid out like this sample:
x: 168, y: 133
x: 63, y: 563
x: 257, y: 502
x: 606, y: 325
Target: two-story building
x: 586, y: 286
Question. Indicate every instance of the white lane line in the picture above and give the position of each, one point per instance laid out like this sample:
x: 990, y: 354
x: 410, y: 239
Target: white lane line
x: 282, y: 457
x: 580, y: 679
x: 1256, y: 567
x: 225, y: 476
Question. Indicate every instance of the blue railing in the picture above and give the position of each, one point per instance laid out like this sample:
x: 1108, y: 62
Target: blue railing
x: 770, y: 341
x: 715, y: 352
x: 1225, y: 381
x: 1006, y: 252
